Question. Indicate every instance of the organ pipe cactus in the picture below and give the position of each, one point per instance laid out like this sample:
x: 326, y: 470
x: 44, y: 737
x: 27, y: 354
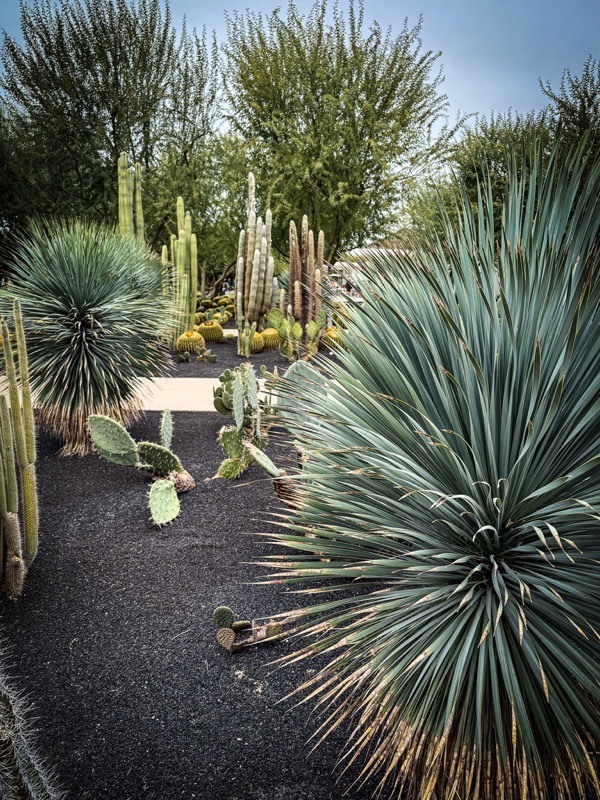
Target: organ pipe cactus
x: 18, y: 548
x: 254, y: 270
x: 184, y: 257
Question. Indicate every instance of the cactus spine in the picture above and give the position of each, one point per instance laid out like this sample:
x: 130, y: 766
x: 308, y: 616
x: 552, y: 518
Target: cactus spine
x: 254, y: 270
x: 131, y: 212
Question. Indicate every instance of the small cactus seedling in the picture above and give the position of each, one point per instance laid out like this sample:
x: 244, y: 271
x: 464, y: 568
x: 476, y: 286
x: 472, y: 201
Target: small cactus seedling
x: 223, y: 616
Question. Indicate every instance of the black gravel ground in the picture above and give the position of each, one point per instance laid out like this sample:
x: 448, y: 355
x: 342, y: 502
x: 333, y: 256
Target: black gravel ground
x: 114, y: 643
x: 227, y: 358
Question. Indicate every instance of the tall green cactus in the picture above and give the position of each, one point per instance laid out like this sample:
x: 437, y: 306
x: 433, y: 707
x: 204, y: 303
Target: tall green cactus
x: 17, y: 444
x: 254, y: 271
x: 184, y: 257
x: 131, y: 212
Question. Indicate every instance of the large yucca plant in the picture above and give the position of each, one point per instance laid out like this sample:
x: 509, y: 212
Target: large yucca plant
x: 95, y: 320
x: 453, y: 498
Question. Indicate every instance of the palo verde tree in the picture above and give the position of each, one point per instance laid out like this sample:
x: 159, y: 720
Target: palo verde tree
x: 96, y: 77
x: 335, y: 116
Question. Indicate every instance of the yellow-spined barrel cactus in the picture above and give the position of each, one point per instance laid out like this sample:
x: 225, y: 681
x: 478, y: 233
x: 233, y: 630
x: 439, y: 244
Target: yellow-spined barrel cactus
x: 211, y: 331
x: 190, y: 341
x: 258, y: 342
x: 271, y: 338
x: 332, y: 338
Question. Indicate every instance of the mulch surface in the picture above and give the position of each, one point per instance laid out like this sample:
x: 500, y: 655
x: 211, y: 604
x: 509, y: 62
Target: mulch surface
x: 114, y: 644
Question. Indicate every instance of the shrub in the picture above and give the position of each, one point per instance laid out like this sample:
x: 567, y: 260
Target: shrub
x: 95, y: 320
x: 453, y: 488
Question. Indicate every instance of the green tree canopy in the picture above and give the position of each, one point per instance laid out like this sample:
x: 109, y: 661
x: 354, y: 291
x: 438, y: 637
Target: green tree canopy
x: 95, y: 77
x: 336, y: 118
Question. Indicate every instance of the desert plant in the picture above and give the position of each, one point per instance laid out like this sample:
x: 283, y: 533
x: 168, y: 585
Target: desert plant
x: 453, y: 486
x: 95, y: 320
x: 17, y: 449
x: 254, y: 281
x: 113, y: 443
x: 131, y: 211
x: 23, y: 775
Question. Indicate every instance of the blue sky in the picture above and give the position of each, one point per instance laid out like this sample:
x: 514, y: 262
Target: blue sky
x: 492, y: 53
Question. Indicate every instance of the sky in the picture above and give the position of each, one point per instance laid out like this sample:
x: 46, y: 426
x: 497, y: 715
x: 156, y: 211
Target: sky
x: 492, y: 53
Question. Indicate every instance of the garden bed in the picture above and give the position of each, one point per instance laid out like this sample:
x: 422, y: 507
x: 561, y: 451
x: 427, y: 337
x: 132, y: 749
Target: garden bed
x: 114, y: 643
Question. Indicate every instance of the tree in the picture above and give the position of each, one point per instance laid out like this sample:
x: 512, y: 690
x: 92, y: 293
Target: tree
x: 577, y: 105
x: 335, y: 118
x: 95, y: 77
x: 492, y: 142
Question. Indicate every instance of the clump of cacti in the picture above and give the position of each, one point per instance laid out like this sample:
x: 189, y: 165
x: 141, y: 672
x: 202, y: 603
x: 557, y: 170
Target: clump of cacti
x: 113, y: 443
x: 256, y: 341
x: 255, y: 284
x: 184, y: 258
x: 238, y: 395
x: 18, y: 547
x: 228, y: 626
x: 297, y: 342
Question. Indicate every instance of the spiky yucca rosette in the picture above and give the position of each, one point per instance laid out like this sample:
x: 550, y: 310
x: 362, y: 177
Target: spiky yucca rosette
x: 96, y: 323
x: 451, y: 517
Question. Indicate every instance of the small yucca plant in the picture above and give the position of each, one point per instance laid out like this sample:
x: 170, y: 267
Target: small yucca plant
x: 95, y: 320
x: 453, y: 505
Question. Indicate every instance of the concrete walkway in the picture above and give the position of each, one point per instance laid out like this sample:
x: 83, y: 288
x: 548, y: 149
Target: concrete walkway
x: 180, y: 394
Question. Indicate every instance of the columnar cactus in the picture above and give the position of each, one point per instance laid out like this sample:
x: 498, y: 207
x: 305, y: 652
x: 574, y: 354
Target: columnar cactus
x: 17, y: 449
x: 254, y: 270
x: 131, y: 212
x: 305, y: 278
x: 184, y: 257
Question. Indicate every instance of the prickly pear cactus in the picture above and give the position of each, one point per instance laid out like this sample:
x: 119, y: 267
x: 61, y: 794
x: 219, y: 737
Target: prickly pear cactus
x: 162, y: 460
x: 112, y: 441
x: 226, y: 638
x: 166, y: 428
x: 163, y: 502
x: 223, y: 616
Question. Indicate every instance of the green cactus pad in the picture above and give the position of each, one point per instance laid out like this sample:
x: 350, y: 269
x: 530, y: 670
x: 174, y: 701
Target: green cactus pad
x: 232, y: 468
x: 163, y: 502
x: 220, y: 405
x: 162, y: 460
x: 211, y: 331
x: 231, y: 441
x: 241, y: 625
x: 166, y: 428
x: 262, y: 459
x: 112, y: 441
x: 223, y: 617
x: 275, y: 318
x: 190, y: 341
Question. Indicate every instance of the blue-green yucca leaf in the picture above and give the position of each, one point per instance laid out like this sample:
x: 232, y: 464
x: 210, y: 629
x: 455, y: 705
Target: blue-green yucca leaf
x: 95, y: 320
x: 453, y: 483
